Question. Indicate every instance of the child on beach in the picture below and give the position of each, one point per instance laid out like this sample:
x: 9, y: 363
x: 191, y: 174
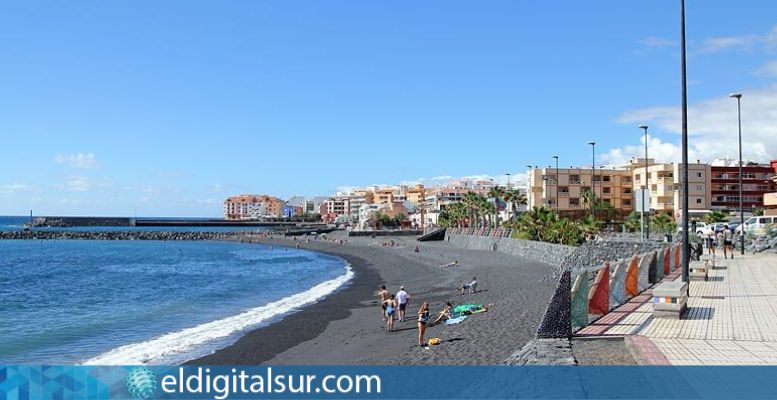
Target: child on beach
x: 423, y: 319
x: 391, y: 306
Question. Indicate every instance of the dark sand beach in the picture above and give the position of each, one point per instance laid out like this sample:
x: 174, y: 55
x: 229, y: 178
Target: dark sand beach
x: 346, y: 327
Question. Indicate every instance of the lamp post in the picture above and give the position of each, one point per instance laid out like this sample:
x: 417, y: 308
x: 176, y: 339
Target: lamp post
x: 529, y: 191
x: 685, y: 245
x: 557, y: 207
x: 593, y: 180
x: 643, y: 220
x: 738, y: 96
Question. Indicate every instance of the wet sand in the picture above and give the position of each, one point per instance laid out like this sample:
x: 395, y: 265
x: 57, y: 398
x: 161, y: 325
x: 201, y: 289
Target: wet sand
x: 346, y: 327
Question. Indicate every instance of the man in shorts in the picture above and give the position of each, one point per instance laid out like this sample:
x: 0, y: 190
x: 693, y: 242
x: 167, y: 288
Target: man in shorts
x: 402, y: 300
x: 383, y: 295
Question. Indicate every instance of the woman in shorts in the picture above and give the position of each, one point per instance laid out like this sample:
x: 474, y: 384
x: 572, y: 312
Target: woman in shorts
x: 423, y: 319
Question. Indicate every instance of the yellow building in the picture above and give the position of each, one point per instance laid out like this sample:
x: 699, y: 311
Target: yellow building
x: 568, y: 185
x: 664, y: 184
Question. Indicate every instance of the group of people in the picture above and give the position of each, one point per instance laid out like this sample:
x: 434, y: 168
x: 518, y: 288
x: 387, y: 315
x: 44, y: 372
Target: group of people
x: 724, y: 238
x: 394, y: 305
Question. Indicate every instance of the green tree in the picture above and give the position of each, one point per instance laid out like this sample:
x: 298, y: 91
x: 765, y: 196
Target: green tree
x: 715, y: 216
x: 664, y: 223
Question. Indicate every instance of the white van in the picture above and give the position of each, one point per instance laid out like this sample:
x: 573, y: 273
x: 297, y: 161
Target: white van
x: 758, y: 226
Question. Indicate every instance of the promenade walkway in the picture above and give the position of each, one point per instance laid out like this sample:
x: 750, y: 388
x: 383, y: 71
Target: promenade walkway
x: 731, y: 319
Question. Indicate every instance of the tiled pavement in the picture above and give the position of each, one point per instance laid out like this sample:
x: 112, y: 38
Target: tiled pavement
x: 731, y: 320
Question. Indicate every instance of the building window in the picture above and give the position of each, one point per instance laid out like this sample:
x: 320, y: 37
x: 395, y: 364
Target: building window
x: 574, y: 179
x: 574, y: 202
x: 626, y: 202
x: 563, y: 189
x: 606, y: 178
x: 699, y: 187
x: 606, y: 190
x: 698, y: 174
x: 637, y: 177
x: 626, y: 190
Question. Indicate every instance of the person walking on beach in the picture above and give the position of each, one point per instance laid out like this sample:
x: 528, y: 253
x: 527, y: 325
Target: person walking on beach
x: 383, y: 295
x: 391, y: 308
x: 403, y: 300
x: 423, y: 319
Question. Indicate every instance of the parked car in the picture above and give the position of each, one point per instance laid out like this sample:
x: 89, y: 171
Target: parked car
x: 757, y: 226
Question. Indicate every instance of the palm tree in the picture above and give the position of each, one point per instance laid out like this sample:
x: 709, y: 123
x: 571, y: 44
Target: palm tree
x: 496, y: 193
x: 471, y: 200
x: 715, y: 216
x: 513, y: 197
x: 664, y: 223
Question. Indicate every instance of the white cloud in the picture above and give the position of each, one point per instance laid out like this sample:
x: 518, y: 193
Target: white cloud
x: 12, y: 188
x: 78, y: 184
x: 80, y: 160
x: 712, y: 127
x: 744, y: 42
x: 657, y: 149
x: 768, y: 69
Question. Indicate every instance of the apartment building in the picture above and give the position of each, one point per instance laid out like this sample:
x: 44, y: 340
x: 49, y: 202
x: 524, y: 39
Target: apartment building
x: 756, y: 182
x: 251, y: 206
x: 699, y: 189
x: 568, y: 185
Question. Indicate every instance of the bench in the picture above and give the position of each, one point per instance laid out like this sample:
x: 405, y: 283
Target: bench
x: 698, y: 270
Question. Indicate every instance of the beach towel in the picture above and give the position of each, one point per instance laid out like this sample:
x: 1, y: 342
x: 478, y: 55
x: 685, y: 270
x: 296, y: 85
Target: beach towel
x: 456, y: 320
x: 467, y: 309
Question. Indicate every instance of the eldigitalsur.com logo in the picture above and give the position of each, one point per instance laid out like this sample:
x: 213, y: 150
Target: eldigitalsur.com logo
x: 141, y: 383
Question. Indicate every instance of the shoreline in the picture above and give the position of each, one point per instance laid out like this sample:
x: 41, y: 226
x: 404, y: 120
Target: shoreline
x: 285, y: 331
x: 344, y: 328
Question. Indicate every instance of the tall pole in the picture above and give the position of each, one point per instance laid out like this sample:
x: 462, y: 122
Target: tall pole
x: 685, y: 245
x: 509, y: 206
x: 738, y: 96
x: 593, y: 180
x: 557, y: 207
x: 645, y: 221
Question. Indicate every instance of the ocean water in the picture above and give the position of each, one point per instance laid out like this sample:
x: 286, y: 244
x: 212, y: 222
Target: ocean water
x: 148, y: 302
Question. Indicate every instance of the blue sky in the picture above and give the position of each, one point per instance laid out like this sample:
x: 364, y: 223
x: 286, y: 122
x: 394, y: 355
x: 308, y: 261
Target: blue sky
x: 172, y: 106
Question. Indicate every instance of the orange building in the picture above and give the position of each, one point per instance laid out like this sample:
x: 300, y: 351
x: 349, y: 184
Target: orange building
x: 252, y: 206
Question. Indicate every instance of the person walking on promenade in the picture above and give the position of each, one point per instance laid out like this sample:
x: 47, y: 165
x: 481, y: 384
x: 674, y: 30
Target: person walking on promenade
x: 403, y: 299
x: 383, y: 295
x: 711, y: 242
x: 423, y: 319
x: 390, y: 306
x: 728, y: 241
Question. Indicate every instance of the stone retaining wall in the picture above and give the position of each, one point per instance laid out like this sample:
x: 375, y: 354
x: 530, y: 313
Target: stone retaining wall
x: 398, y: 232
x: 547, y: 253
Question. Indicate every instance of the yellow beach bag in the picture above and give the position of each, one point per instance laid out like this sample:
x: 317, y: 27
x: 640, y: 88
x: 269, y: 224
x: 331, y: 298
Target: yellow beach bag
x: 434, y: 341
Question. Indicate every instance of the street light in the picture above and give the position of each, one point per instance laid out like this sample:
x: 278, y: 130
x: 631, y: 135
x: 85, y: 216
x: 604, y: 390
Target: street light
x: 557, y: 209
x: 593, y: 180
x: 738, y: 96
x: 508, y: 181
x: 645, y: 222
x: 685, y: 244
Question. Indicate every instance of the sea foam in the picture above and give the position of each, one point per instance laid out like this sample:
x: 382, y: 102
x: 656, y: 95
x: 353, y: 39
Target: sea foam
x: 173, y: 346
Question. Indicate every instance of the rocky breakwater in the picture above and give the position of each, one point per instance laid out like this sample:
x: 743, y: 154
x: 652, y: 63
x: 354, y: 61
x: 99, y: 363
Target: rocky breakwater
x: 117, y: 235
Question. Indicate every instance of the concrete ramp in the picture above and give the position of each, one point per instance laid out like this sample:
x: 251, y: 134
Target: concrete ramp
x: 439, y: 234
